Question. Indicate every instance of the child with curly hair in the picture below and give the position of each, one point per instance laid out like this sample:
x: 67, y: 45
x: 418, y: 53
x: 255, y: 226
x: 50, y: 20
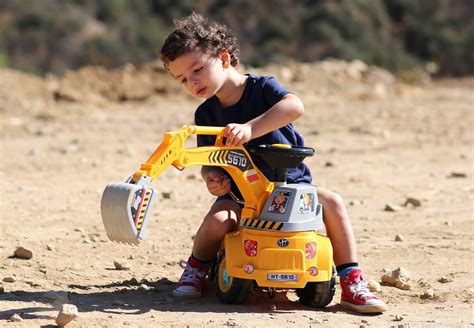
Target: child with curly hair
x: 202, y: 55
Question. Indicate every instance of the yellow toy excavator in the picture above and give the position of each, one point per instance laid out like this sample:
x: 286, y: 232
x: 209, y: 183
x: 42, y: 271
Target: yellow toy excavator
x: 277, y: 244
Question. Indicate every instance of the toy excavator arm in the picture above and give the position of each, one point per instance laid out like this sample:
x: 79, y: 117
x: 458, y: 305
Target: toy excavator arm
x: 125, y: 206
x: 252, y: 184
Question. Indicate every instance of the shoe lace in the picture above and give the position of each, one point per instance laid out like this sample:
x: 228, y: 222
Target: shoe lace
x: 359, y: 288
x: 192, y: 275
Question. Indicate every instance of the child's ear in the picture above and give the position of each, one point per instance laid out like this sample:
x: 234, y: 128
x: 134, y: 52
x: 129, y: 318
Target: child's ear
x: 225, y: 57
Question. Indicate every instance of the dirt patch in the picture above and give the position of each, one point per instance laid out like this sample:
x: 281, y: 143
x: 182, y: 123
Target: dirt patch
x: 378, y: 142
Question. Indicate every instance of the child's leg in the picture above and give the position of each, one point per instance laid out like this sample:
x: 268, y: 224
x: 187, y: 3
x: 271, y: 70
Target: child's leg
x: 355, y: 293
x: 338, y: 227
x: 222, y: 218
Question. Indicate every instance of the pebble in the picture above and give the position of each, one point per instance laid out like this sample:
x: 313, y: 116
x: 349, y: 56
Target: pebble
x: 66, y: 315
x: 15, y: 318
x: 23, y: 253
x: 391, y: 208
x: 121, y: 265
x: 230, y: 323
x: 399, y: 238
x: 444, y: 280
x: 413, y: 201
x: 428, y: 294
x: 374, y: 286
x: 398, y: 278
x: 398, y: 318
x: 9, y: 279
x: 166, y: 195
x: 457, y: 175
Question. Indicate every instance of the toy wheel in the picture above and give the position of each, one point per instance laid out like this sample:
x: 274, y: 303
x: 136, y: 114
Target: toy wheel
x: 318, y: 294
x: 229, y: 289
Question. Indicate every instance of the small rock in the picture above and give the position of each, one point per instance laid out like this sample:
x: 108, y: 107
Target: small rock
x: 444, y: 280
x: 15, y: 318
x: 121, y: 265
x: 2, y: 290
x: 398, y: 278
x: 166, y: 195
x: 230, y: 323
x: 9, y: 279
x: 422, y: 282
x: 66, y: 315
x: 413, y: 201
x: 329, y: 164
x: 273, y: 307
x: 469, y: 292
x: 391, y: 208
x: 399, y: 238
x: 23, y: 253
x: 428, y: 294
x: 144, y: 287
x: 448, y: 223
x: 398, y: 318
x: 374, y: 286
x: 457, y: 175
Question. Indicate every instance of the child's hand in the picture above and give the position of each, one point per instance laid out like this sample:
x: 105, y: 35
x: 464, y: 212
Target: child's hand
x: 217, y: 183
x: 237, y: 134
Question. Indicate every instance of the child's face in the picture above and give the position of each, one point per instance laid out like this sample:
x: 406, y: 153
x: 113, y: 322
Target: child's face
x: 200, y: 74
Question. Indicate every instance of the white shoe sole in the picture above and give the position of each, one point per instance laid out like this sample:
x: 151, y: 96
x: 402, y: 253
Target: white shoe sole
x: 373, y: 308
x: 179, y: 294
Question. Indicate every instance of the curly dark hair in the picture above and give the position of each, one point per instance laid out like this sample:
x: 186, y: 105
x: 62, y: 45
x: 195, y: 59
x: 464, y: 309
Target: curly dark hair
x: 195, y: 31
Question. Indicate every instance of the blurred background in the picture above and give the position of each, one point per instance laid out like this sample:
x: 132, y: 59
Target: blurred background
x: 404, y: 36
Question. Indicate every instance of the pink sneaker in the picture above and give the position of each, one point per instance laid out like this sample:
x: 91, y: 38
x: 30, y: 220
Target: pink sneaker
x: 357, y: 296
x: 192, y: 281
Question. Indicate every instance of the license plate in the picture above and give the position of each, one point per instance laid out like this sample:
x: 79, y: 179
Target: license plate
x: 282, y: 277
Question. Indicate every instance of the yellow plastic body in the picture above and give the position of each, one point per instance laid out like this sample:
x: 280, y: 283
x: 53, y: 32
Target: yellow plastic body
x: 270, y: 258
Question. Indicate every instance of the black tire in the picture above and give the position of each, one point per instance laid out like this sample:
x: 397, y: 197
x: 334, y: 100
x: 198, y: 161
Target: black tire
x: 318, y: 294
x: 229, y: 289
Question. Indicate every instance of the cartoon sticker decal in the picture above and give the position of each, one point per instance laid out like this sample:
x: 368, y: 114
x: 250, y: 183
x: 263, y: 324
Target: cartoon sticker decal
x: 306, y: 203
x: 279, y: 202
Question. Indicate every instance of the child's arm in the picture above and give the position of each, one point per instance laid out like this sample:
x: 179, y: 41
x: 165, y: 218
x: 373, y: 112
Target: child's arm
x: 284, y: 112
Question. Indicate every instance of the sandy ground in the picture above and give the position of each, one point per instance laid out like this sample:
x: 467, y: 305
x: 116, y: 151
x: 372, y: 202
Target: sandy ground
x: 377, y: 143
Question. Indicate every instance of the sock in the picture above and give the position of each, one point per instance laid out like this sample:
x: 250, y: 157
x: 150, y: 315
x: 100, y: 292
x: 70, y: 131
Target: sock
x: 344, y: 269
x: 205, y: 264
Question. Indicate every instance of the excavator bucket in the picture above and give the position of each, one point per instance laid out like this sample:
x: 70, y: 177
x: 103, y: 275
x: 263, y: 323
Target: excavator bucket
x: 125, y: 208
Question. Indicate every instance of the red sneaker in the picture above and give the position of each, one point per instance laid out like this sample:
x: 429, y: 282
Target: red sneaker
x: 192, y: 280
x: 357, y: 296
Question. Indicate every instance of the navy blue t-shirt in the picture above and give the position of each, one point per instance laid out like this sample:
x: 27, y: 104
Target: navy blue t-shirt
x: 260, y: 94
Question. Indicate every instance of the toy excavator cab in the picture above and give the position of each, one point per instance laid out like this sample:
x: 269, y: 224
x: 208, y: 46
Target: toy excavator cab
x: 281, y: 157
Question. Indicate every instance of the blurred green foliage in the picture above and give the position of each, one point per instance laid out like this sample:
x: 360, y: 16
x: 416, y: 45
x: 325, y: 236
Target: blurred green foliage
x: 401, y: 35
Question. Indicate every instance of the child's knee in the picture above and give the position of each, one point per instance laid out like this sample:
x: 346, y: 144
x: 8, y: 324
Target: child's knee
x: 216, y: 225
x: 330, y: 199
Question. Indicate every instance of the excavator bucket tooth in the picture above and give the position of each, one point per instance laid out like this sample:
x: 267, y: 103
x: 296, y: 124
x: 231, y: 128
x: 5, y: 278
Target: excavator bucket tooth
x: 125, y: 209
